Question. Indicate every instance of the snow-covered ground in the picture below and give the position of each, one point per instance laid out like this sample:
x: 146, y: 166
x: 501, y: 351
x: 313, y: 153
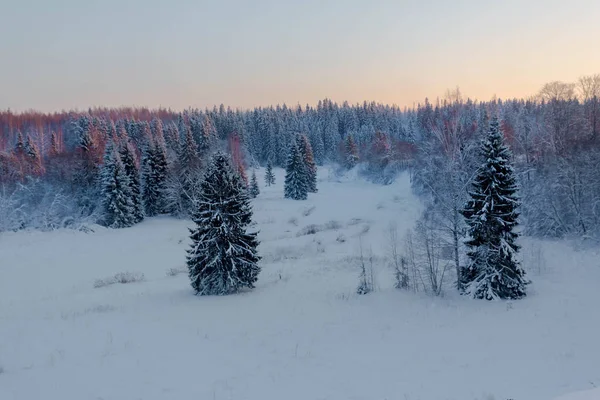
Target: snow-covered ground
x: 303, y: 333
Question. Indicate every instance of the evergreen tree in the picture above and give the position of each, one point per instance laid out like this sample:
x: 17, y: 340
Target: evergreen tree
x: 116, y: 194
x: 309, y: 162
x: 19, y: 149
x: 34, y: 159
x: 493, y: 271
x: 188, y: 168
x: 54, y: 145
x: 269, y: 175
x: 317, y: 143
x: 208, y: 135
x: 296, y: 176
x: 133, y: 174
x: 351, y: 152
x: 154, y: 178
x: 223, y: 257
x: 253, y: 190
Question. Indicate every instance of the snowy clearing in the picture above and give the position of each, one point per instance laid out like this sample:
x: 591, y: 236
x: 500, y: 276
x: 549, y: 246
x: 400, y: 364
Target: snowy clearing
x: 303, y: 333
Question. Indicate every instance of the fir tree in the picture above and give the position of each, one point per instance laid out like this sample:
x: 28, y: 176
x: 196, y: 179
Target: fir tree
x: 309, y: 162
x: 133, y: 174
x: 493, y: 271
x: 116, y: 195
x: 253, y: 190
x: 269, y: 175
x: 351, y: 152
x: 296, y: 176
x: 223, y: 257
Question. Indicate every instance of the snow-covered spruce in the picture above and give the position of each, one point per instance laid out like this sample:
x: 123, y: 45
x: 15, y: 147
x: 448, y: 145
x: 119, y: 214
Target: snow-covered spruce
x: 154, y: 177
x: 269, y: 175
x: 223, y: 257
x: 188, y: 171
x: 350, y: 152
x: 296, y: 176
x: 309, y: 162
x: 493, y: 271
x: 133, y: 174
x: 117, y: 201
x: 253, y: 189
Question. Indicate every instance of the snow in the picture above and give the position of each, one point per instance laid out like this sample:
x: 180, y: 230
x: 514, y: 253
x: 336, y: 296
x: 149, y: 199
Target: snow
x: 303, y: 333
x: 583, y: 395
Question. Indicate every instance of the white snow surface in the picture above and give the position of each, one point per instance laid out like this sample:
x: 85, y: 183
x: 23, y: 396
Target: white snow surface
x: 302, y: 333
x: 593, y: 394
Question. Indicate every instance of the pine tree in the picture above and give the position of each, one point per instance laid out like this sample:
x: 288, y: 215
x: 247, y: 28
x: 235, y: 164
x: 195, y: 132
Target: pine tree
x: 309, y: 162
x: 296, y: 176
x: 253, y: 190
x: 351, y: 152
x: 223, y: 257
x: 269, y: 175
x: 133, y: 174
x: 116, y: 195
x: 493, y: 271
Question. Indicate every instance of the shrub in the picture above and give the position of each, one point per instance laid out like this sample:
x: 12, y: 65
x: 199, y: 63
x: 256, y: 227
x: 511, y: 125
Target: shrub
x: 121, y: 277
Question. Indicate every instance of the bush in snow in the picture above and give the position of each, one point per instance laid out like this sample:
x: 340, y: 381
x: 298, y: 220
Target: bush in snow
x: 121, y: 277
x: 307, y: 211
x: 366, y: 282
x: 309, y: 230
x: 397, y: 261
x: 223, y: 258
x: 493, y: 271
x: 422, y: 266
x: 176, y: 271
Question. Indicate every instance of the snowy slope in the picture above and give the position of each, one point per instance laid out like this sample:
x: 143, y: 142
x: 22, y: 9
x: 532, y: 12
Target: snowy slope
x: 302, y: 334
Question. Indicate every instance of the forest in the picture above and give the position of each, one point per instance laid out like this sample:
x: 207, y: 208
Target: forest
x: 51, y: 165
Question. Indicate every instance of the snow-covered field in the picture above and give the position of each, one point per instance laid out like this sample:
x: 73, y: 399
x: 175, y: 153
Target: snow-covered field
x: 303, y: 333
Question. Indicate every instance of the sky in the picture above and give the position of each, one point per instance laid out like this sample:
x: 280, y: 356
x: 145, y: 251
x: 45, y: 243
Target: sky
x: 73, y: 54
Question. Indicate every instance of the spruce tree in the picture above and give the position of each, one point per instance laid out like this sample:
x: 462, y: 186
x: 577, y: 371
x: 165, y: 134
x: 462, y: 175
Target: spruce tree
x: 351, y: 153
x: 223, y: 257
x: 54, y: 145
x: 161, y: 172
x: 269, y: 175
x: 493, y: 271
x: 34, y: 159
x: 116, y: 194
x: 133, y: 174
x: 296, y: 176
x: 19, y: 149
x: 149, y: 193
x: 188, y: 167
x: 253, y: 190
x: 309, y: 162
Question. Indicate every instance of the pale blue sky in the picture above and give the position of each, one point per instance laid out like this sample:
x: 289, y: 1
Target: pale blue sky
x: 59, y: 54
